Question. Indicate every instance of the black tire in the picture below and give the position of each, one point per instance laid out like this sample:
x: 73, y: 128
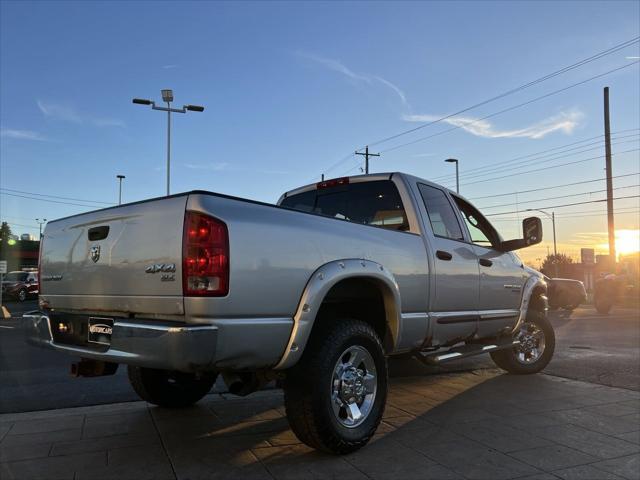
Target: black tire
x: 508, y: 359
x: 603, y: 306
x: 21, y: 296
x: 308, y: 387
x: 170, y: 389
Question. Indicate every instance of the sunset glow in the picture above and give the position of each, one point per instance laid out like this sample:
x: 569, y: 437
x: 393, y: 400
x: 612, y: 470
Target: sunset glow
x: 627, y: 241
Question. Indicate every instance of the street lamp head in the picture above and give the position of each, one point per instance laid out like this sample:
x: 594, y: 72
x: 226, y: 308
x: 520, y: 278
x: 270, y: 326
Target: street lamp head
x: 167, y: 95
x: 451, y: 160
x: 142, y: 101
x: 120, y: 176
x: 194, y: 108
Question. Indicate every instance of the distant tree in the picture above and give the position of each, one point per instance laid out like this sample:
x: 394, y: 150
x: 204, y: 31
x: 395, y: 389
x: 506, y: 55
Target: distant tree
x: 555, y: 263
x: 5, y: 231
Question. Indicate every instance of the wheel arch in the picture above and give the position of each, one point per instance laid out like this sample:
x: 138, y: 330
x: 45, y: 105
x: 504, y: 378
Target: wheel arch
x: 362, y: 279
x: 534, y: 296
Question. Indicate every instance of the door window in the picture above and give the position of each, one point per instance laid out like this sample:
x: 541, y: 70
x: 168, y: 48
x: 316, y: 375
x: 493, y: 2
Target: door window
x: 481, y: 231
x: 441, y: 214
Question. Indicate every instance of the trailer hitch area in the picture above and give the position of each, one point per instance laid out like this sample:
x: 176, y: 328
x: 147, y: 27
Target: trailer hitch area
x: 92, y: 368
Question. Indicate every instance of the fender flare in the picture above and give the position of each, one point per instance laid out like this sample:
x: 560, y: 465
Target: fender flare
x: 322, y: 280
x: 533, y: 282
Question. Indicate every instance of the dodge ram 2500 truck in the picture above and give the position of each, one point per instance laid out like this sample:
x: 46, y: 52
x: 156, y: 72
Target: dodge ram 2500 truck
x: 314, y: 292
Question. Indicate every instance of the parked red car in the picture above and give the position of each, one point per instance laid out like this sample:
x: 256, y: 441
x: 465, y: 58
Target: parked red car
x: 20, y: 285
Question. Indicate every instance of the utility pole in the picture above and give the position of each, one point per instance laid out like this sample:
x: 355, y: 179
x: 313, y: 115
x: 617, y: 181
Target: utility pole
x: 607, y: 143
x: 322, y: 178
x: 366, y: 158
x: 555, y: 245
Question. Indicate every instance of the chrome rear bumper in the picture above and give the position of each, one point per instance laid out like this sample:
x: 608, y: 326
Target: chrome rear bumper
x: 148, y: 344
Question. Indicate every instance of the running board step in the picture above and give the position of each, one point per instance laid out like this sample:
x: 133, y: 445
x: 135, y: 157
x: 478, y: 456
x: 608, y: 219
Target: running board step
x: 463, y: 351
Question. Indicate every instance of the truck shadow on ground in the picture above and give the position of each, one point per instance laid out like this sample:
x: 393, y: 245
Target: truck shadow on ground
x: 434, y: 427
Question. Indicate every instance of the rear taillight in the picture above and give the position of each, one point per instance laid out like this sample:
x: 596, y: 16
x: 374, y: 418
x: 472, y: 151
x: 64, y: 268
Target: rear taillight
x: 205, y: 256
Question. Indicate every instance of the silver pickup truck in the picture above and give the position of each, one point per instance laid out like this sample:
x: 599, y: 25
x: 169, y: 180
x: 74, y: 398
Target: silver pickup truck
x: 314, y: 292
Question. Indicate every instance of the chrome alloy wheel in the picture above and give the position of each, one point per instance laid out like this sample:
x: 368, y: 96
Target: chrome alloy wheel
x: 531, y: 345
x: 353, y: 386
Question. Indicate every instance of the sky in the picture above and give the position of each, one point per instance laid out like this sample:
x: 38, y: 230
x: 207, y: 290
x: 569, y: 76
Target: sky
x: 291, y: 90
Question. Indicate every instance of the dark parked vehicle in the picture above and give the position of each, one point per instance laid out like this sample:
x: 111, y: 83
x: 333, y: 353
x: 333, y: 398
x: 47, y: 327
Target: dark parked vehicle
x: 20, y: 285
x: 565, y: 293
x: 607, y: 291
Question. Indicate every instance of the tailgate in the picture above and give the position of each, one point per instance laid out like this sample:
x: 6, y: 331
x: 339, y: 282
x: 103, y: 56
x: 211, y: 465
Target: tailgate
x: 126, y: 259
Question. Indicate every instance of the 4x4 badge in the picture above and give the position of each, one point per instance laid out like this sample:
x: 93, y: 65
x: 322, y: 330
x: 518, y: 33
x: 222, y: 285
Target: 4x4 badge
x: 94, y: 253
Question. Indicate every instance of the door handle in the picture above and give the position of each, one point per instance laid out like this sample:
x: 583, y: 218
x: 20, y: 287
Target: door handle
x: 442, y: 255
x: 485, y: 262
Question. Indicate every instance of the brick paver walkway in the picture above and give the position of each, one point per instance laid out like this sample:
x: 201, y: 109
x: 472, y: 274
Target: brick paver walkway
x: 475, y: 425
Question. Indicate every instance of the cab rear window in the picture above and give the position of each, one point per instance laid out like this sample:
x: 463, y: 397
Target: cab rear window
x: 374, y: 203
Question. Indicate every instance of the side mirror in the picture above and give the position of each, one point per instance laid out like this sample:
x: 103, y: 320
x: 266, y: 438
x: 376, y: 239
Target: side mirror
x: 531, y: 235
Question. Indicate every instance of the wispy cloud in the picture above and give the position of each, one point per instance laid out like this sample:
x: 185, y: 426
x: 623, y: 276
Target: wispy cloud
x: 565, y: 122
x: 423, y: 155
x: 61, y: 112
x: 339, y: 67
x: 21, y: 135
x: 170, y: 66
x: 228, y: 167
x: 67, y: 113
x: 216, y: 166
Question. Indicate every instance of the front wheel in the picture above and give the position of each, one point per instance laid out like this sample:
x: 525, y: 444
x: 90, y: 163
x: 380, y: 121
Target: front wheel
x: 533, y: 353
x: 336, y: 394
x: 170, y: 389
x: 603, y: 306
x: 22, y: 294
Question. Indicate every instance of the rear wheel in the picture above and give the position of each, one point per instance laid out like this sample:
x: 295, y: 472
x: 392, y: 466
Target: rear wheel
x: 535, y: 350
x: 170, y: 389
x: 335, y: 395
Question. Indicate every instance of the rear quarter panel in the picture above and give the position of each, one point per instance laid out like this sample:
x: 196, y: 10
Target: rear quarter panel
x: 274, y: 251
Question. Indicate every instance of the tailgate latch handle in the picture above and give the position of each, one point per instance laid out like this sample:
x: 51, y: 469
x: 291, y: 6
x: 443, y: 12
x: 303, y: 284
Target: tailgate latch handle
x: 98, y: 233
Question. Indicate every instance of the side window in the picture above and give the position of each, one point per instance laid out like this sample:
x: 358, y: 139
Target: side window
x: 481, y: 231
x: 441, y: 214
x: 375, y: 203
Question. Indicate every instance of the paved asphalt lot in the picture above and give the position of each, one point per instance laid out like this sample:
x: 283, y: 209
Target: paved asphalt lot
x: 601, y: 349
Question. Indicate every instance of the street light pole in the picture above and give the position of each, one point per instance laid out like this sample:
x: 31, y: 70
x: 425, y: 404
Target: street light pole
x: 552, y: 216
x: 167, y: 97
x: 40, y: 223
x: 168, y: 147
x: 120, y: 178
x: 453, y: 160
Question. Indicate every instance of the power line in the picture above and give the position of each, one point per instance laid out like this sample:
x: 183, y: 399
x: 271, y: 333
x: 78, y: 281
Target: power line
x: 565, y: 205
x: 48, y: 201
x: 590, y: 59
x: 54, y: 196
x: 23, y: 225
x: 578, y: 215
x: 540, y: 160
x: 546, y: 168
x: 555, y: 186
x: 555, y: 198
x: 442, y: 132
x: 541, y: 154
x: 573, y: 66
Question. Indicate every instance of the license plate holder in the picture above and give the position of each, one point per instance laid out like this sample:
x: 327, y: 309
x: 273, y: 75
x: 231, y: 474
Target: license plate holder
x: 100, y: 330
